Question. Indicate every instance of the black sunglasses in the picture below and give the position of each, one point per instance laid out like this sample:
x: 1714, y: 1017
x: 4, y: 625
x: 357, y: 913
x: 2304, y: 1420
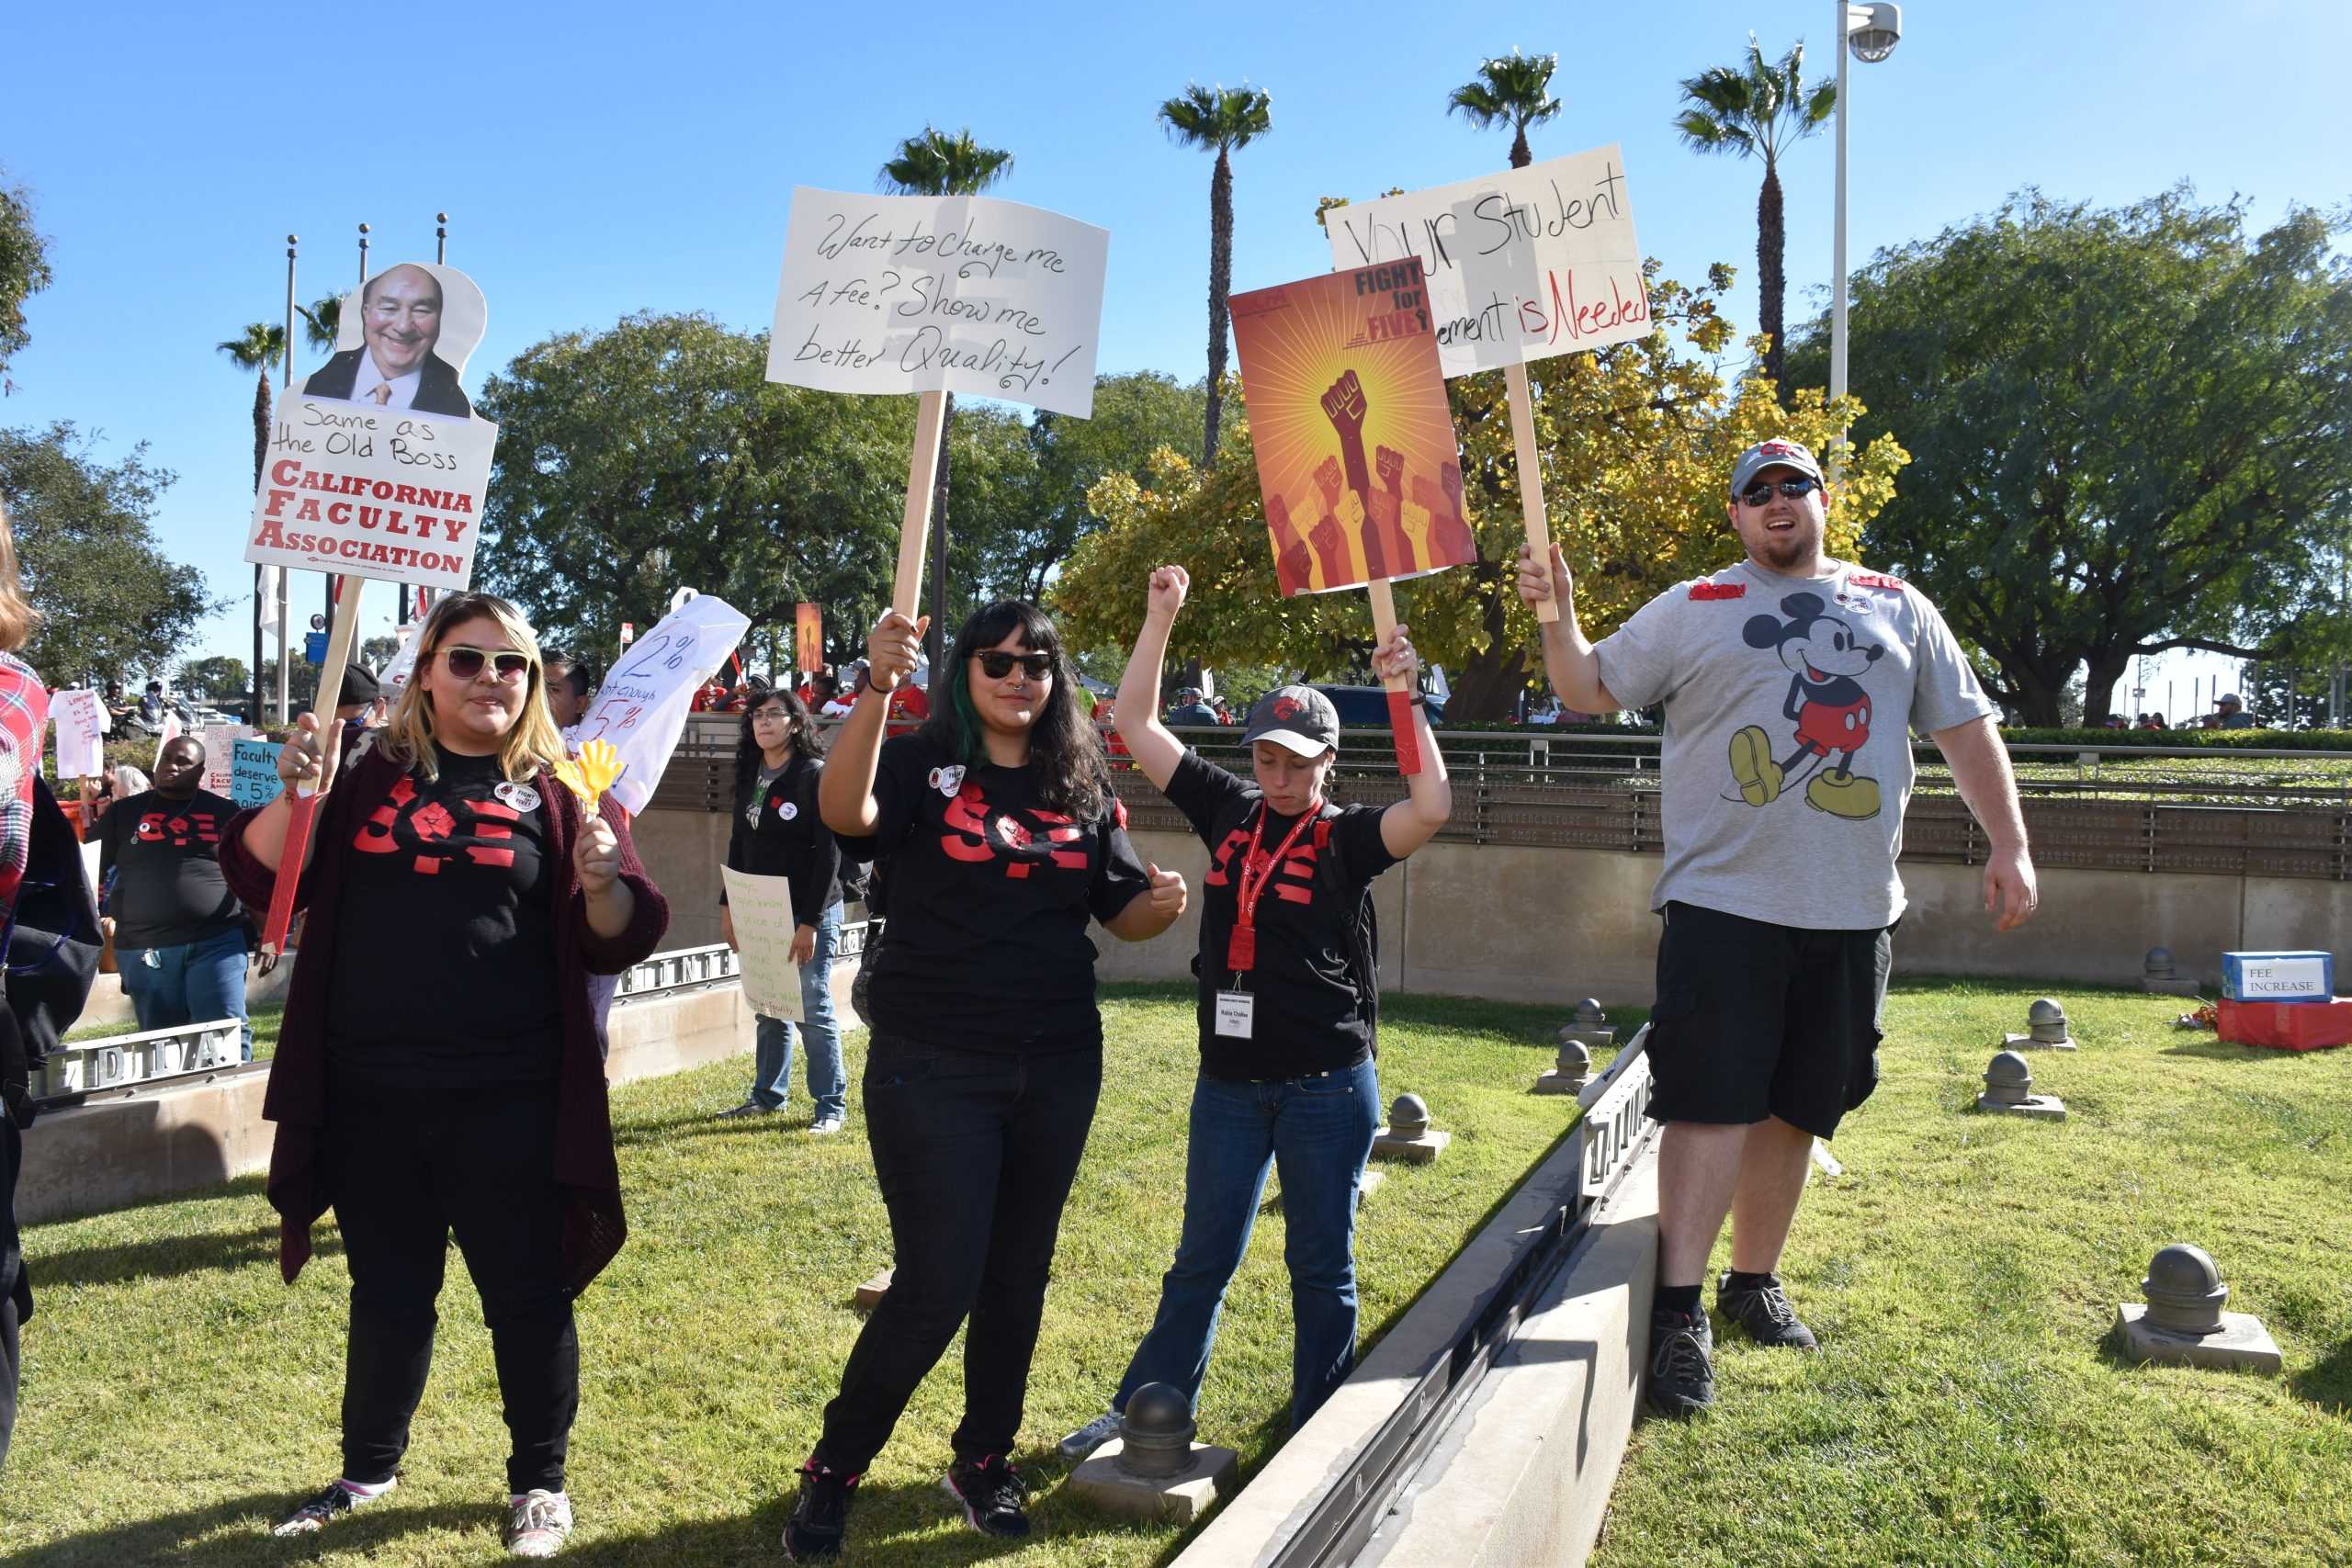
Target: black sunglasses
x: 1796, y: 488
x: 996, y: 664
x: 466, y: 662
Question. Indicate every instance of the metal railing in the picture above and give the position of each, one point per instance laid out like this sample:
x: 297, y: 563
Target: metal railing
x: 117, y: 1064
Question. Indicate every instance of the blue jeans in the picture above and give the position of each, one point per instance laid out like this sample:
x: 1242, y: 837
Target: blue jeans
x: 771, y: 1053
x: 193, y: 983
x: 1318, y: 1132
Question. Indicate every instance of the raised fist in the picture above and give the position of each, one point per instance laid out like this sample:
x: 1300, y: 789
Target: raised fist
x: 1352, y: 513
x: 1343, y: 404
x: 1331, y: 547
x: 1169, y: 586
x: 1329, y: 481
x: 1391, y: 464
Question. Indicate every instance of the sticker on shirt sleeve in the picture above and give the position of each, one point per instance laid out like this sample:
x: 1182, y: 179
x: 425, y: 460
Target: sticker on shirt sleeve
x: 948, y: 779
x: 519, y: 797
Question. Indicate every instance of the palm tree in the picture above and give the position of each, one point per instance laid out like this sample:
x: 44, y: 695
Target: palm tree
x: 1759, y: 110
x: 259, y: 350
x: 1511, y: 89
x: 1223, y: 119
x: 321, y: 322
x: 936, y: 163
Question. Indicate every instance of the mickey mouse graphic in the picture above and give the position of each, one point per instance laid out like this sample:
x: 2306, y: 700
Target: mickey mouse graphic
x: 1831, y: 711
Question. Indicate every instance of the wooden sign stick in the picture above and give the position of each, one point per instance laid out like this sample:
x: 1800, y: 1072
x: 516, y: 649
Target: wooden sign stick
x: 1531, y: 476
x: 1400, y: 689
x: 914, y: 528
x: 296, y: 849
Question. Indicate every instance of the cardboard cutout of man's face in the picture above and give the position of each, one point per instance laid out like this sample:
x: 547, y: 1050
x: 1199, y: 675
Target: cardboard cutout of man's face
x: 400, y: 319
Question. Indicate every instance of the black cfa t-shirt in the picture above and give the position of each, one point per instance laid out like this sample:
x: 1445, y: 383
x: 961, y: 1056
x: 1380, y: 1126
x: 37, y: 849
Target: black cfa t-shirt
x: 1308, y: 1017
x: 987, y: 947
x: 445, y: 965
x: 164, y: 856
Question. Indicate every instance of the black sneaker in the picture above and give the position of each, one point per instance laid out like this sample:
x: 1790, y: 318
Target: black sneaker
x: 1765, y: 1313
x: 819, y: 1519
x: 316, y: 1512
x: 1682, y: 1372
x: 993, y: 1496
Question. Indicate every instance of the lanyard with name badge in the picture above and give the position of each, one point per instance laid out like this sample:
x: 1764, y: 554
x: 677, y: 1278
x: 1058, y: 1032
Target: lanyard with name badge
x: 1236, y: 1008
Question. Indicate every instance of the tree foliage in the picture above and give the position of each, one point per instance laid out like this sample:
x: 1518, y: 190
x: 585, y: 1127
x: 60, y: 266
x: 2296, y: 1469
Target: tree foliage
x: 24, y: 270
x: 1222, y: 120
x: 1512, y: 90
x: 2131, y: 431
x: 112, y: 602
x: 221, y: 677
x: 1636, y: 445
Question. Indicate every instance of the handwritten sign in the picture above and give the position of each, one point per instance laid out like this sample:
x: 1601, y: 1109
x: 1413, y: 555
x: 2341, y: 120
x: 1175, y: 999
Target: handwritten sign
x: 1522, y: 264
x: 1356, y: 452
x: 378, y: 465
x: 642, y: 705
x: 220, y: 743
x: 761, y: 908
x: 253, y: 772
x: 883, y: 294
x: 82, y: 723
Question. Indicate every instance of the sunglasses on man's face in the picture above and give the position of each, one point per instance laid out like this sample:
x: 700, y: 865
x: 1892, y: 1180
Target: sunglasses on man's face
x: 466, y: 662
x: 1796, y: 488
x: 996, y: 664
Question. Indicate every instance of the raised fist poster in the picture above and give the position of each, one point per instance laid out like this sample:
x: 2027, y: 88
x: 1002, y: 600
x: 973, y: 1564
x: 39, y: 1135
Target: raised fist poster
x: 1356, y: 452
x: 378, y: 465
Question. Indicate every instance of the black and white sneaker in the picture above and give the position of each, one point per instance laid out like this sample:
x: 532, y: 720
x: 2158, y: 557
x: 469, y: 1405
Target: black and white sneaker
x: 994, y: 1497
x: 329, y: 1504
x: 821, y: 1518
x: 1682, y: 1372
x: 1764, y: 1312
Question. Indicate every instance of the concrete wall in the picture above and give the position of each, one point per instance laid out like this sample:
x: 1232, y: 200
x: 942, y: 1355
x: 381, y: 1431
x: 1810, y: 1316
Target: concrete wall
x: 683, y: 852
x: 107, y: 1005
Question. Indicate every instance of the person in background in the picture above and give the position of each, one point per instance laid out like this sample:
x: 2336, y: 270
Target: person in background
x: 911, y: 703
x: 1188, y: 711
x: 357, y: 703
x: 2230, y: 714
x: 2153, y: 721
x: 779, y: 832
x: 572, y: 681
x: 843, y: 701
x: 179, y: 933
x: 439, y: 1069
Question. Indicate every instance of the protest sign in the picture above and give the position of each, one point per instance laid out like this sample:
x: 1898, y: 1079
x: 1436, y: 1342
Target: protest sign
x: 394, y: 679
x: 1521, y: 264
x: 82, y: 723
x: 377, y: 465
x: 642, y: 705
x: 1331, y: 366
x: 761, y: 909
x: 220, y: 742
x: 253, y: 772
x: 808, y: 638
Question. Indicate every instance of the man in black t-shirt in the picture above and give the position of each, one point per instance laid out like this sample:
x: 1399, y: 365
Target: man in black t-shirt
x: 179, y: 933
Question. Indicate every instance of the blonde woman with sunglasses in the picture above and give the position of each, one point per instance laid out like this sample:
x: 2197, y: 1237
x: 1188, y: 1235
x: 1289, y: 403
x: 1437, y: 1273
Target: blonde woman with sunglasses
x: 439, y: 1070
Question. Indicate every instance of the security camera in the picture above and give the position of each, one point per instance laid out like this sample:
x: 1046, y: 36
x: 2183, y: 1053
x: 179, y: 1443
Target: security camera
x: 1873, y: 30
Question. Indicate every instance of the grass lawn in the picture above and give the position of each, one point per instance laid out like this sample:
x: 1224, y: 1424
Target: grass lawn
x: 178, y: 1397
x: 1963, y: 1275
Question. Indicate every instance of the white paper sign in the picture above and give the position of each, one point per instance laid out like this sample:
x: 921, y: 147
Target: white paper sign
x: 220, y: 753
x: 377, y: 463
x: 761, y: 908
x: 642, y: 705
x: 82, y: 723
x: 896, y: 293
x: 395, y: 676
x: 1521, y: 264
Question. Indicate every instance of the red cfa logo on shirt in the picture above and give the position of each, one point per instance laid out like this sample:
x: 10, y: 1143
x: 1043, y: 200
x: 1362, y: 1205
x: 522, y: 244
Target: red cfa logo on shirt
x: 1718, y: 590
x: 1876, y: 580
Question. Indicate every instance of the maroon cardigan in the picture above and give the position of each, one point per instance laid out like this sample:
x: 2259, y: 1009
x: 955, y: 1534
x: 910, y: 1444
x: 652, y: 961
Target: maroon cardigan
x: 297, y: 1099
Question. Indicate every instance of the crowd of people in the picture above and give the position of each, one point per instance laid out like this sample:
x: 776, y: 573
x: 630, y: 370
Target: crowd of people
x: 986, y: 821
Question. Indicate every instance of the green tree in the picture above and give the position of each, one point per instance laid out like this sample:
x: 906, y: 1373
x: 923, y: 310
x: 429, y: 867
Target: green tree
x: 24, y: 270
x: 1759, y: 110
x: 1223, y: 119
x: 258, y: 348
x: 112, y: 602
x: 321, y: 322
x: 218, y: 676
x: 1511, y: 89
x: 2129, y: 433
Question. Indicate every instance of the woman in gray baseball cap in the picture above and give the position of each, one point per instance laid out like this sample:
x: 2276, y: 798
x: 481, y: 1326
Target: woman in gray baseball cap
x: 1288, y: 967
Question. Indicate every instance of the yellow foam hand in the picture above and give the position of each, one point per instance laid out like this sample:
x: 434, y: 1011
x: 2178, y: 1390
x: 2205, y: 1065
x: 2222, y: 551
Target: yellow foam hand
x: 592, y: 772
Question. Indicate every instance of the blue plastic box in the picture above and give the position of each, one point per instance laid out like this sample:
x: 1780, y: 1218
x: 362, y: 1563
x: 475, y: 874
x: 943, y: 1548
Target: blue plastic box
x: 2305, y: 977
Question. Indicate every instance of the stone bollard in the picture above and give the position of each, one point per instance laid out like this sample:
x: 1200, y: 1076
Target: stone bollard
x: 1570, y: 1070
x: 1589, y: 1027
x: 2045, y: 1024
x: 1409, y: 1136
x: 2008, y: 1089
x: 1152, y: 1470
x: 2182, y: 1318
x: 2159, y: 977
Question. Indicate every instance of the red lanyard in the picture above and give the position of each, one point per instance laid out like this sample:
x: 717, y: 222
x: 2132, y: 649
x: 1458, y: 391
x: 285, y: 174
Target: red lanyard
x: 1241, y: 947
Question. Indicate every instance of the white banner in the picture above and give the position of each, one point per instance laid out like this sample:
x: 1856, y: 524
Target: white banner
x: 761, y: 908
x: 642, y: 705
x: 1521, y: 264
x: 896, y: 293
x: 82, y: 723
x: 220, y: 742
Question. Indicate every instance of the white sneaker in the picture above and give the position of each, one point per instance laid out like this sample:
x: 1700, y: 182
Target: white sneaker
x: 1089, y: 1437
x: 540, y: 1524
x: 824, y: 1126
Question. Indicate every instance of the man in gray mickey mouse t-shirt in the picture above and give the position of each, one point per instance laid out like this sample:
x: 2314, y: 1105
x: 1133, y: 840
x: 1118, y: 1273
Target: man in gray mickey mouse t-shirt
x: 1790, y: 685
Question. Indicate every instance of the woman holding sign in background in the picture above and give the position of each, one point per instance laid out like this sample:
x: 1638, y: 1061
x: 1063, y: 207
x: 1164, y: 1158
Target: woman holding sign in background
x: 438, y: 1069
x: 986, y: 1056
x: 1289, y: 970
x: 779, y: 833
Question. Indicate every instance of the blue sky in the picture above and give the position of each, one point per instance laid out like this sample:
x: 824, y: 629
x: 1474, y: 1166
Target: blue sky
x: 600, y: 158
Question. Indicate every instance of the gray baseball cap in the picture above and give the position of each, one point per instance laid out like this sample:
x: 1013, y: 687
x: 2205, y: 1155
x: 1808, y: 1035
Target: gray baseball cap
x: 1773, y: 454
x: 1298, y: 718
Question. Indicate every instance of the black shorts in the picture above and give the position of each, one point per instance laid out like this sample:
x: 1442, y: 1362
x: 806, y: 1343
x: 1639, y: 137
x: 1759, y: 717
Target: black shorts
x: 1754, y: 1020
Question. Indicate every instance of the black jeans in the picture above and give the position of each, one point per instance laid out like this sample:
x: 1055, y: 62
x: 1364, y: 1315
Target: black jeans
x: 407, y: 1167
x: 12, y: 1151
x: 975, y: 1153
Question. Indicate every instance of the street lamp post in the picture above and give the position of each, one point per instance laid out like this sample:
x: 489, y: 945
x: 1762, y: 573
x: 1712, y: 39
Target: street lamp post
x: 1869, y: 33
